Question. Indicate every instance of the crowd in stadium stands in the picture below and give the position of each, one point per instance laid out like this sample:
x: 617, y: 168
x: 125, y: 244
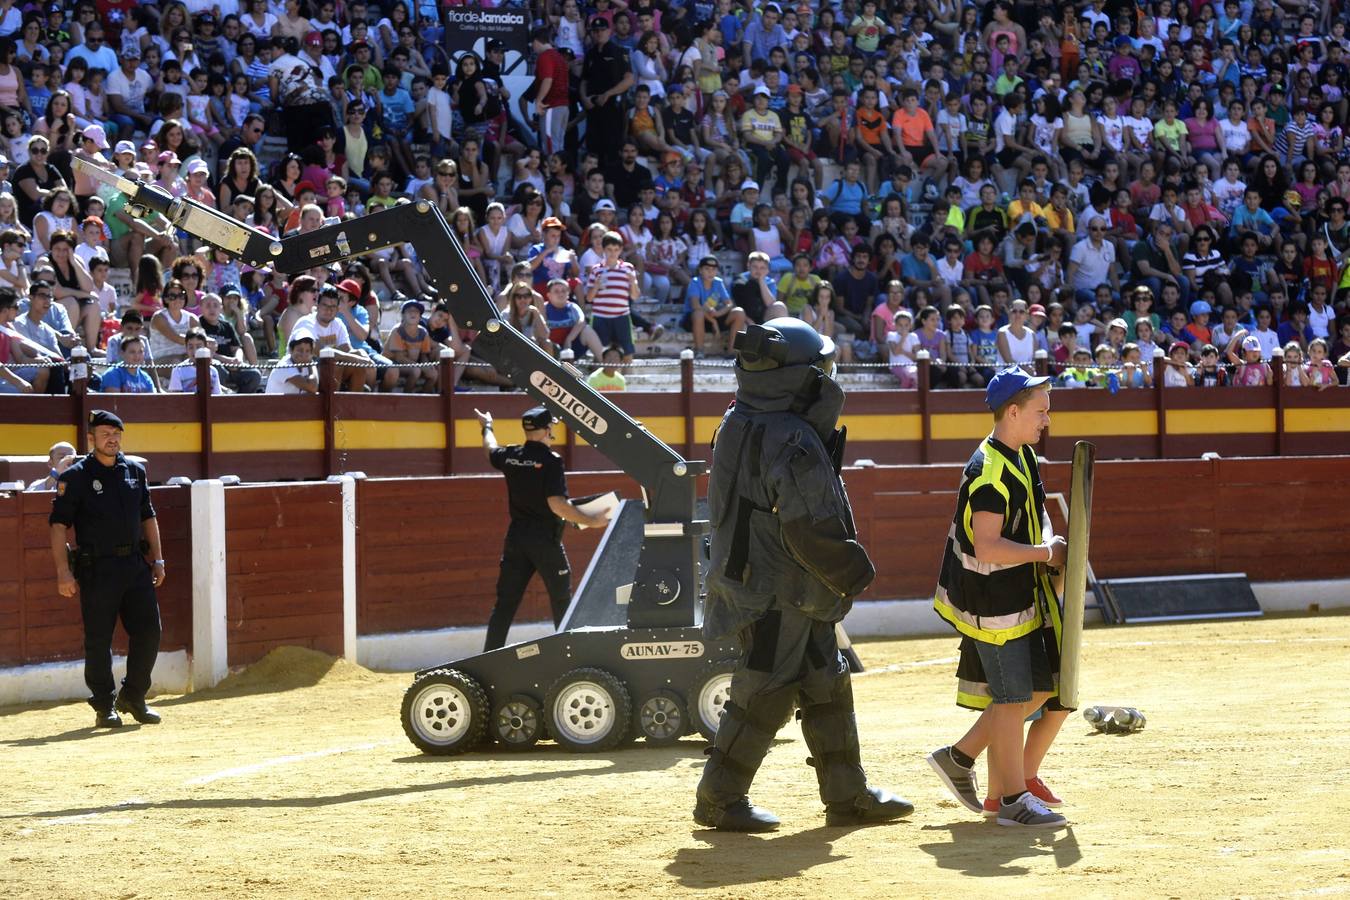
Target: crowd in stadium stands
x: 1100, y: 180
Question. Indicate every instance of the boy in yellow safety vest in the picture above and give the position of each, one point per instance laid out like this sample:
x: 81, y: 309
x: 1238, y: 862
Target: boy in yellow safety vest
x: 994, y: 589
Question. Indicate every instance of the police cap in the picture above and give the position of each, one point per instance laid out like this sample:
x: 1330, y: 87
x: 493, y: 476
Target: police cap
x: 103, y: 417
x: 537, y: 418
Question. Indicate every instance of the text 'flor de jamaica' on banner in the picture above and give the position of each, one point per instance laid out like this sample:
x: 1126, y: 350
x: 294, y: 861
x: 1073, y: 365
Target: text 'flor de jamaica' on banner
x: 470, y: 28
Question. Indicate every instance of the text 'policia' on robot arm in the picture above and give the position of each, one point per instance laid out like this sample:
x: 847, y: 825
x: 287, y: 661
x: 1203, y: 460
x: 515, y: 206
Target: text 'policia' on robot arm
x: 667, y: 583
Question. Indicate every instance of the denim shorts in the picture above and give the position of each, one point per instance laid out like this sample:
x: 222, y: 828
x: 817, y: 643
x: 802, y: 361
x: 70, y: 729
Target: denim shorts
x: 615, y: 331
x: 1016, y: 669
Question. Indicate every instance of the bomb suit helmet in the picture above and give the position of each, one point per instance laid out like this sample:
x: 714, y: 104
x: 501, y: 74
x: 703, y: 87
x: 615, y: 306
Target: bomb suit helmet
x: 783, y: 342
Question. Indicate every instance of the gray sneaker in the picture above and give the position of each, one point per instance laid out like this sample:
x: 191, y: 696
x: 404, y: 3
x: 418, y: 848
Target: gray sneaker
x: 958, y: 779
x: 1028, y: 812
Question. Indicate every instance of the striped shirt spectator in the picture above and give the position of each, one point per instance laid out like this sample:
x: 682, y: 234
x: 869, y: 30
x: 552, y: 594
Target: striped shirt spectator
x: 613, y: 287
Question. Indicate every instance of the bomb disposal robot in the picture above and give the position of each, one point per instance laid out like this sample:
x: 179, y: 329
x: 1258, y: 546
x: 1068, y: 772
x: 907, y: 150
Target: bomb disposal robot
x: 590, y: 688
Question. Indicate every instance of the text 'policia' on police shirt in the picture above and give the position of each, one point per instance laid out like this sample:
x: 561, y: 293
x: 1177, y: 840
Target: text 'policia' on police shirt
x: 533, y: 474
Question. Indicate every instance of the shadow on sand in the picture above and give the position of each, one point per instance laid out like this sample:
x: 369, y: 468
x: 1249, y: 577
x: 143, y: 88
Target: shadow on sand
x: 724, y: 858
x: 984, y: 850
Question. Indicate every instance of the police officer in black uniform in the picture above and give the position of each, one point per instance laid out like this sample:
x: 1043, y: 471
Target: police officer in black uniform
x: 537, y: 491
x: 106, y: 497
x: 606, y: 76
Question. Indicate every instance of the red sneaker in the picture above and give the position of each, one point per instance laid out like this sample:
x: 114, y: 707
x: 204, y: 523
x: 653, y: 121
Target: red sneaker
x: 1042, y: 793
x: 991, y: 805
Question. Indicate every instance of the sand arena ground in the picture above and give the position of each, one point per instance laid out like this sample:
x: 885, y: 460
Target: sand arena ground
x: 294, y: 779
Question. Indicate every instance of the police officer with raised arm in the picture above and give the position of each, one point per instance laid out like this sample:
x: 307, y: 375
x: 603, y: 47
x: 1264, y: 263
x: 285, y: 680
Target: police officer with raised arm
x: 106, y: 497
x: 784, y: 567
x: 536, y: 488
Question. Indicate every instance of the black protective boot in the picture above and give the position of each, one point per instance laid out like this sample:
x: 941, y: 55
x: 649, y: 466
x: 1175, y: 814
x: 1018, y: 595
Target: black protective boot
x: 739, y: 815
x: 139, y: 711
x: 831, y: 733
x: 106, y: 717
x: 742, y: 741
x: 872, y: 806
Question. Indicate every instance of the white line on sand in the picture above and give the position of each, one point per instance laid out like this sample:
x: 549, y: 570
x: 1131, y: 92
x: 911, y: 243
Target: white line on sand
x: 252, y: 768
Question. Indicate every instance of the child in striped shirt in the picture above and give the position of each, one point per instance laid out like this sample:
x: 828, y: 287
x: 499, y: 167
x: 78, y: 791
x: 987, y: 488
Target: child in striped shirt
x: 1292, y: 142
x: 613, y: 287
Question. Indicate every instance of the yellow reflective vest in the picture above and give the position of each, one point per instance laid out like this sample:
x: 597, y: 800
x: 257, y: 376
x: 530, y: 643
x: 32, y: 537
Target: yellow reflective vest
x: 996, y: 603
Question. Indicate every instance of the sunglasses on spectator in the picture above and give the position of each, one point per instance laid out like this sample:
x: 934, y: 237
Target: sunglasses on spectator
x: 189, y: 274
x: 175, y: 295
x: 1095, y: 228
x: 37, y: 151
x: 1201, y: 237
x: 42, y: 296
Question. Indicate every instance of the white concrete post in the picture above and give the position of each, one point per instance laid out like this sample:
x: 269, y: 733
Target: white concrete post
x: 210, y: 646
x: 347, y: 485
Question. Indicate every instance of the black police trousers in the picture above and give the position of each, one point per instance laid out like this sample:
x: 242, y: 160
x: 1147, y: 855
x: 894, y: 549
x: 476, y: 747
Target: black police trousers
x: 528, y: 549
x: 112, y: 588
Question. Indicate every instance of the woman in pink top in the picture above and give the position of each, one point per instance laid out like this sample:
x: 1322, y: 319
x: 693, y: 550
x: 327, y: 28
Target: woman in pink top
x: 1206, y: 138
x: 12, y: 93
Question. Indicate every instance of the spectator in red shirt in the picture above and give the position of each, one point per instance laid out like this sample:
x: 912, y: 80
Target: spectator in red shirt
x: 984, y: 267
x: 551, y: 82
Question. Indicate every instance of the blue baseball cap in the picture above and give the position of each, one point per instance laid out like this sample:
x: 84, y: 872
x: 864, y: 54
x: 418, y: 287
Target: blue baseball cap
x: 1200, y: 306
x: 1007, y: 384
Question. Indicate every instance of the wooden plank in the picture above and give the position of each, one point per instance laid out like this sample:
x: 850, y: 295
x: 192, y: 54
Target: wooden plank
x: 246, y: 584
x: 258, y: 606
x: 1329, y: 473
x: 389, y: 407
x: 280, y: 559
x: 286, y: 627
x: 264, y: 408
x: 297, y: 536
x: 282, y: 515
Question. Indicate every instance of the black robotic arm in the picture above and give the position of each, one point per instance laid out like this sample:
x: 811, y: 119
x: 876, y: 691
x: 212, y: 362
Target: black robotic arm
x: 667, y: 582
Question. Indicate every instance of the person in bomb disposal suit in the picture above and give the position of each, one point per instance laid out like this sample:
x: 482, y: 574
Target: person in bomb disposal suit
x: 784, y: 567
x: 537, y: 492
x: 105, y: 496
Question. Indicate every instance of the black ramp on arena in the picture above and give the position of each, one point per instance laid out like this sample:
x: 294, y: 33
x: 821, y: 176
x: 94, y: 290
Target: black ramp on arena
x: 613, y: 565
x: 1170, y: 599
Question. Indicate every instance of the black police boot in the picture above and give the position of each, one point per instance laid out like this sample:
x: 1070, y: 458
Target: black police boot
x: 139, y: 711
x: 106, y: 718
x: 871, y: 807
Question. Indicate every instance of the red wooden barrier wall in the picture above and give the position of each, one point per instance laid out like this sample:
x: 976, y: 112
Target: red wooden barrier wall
x: 427, y: 548
x: 39, y: 625
x: 283, y: 545
x: 1151, y: 517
